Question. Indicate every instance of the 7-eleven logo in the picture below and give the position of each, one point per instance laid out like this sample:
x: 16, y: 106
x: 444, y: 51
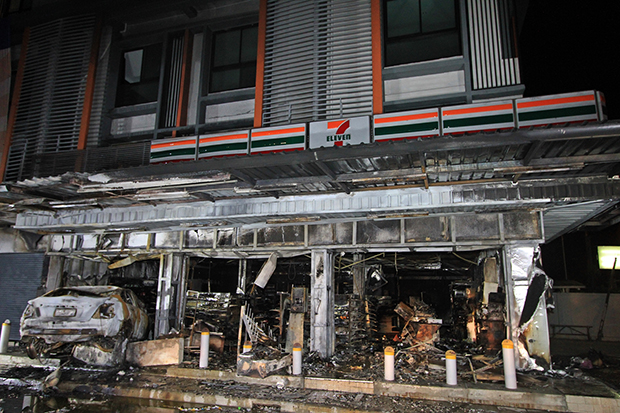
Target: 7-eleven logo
x: 337, y: 132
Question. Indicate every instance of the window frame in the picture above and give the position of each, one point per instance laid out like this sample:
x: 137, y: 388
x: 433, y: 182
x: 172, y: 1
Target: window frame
x: 413, y: 38
x: 118, y: 102
x: 240, y: 64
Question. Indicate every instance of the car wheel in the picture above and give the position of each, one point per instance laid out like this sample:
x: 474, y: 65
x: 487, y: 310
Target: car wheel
x: 127, y: 330
x: 35, y: 348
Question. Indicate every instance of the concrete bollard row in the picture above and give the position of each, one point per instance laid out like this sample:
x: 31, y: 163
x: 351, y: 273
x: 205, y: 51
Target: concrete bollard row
x: 4, y: 336
x: 451, y: 379
x: 389, y: 363
x: 297, y: 359
x: 510, y: 372
x: 204, y: 349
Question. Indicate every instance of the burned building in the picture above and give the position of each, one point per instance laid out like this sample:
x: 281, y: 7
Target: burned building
x: 321, y: 172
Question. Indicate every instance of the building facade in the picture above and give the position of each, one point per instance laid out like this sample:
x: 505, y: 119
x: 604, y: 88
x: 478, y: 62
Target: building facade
x: 376, y: 150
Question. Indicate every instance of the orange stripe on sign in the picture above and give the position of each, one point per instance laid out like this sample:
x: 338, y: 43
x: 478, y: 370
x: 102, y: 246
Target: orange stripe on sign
x: 223, y: 138
x: 465, y: 111
x: 334, y: 124
x: 278, y: 132
x: 407, y: 117
x: 557, y: 101
x: 170, y: 144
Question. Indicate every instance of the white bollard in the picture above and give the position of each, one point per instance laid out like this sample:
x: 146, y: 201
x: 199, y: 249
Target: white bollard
x: 297, y: 359
x: 389, y: 363
x: 247, y: 347
x: 4, y: 336
x: 204, y: 349
x: 451, y: 368
x: 510, y: 373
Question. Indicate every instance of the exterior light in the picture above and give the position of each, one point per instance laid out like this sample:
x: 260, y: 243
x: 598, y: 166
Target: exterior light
x: 607, y: 257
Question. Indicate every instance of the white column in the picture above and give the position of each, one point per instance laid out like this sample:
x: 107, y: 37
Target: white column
x: 322, y: 329
x: 164, y: 295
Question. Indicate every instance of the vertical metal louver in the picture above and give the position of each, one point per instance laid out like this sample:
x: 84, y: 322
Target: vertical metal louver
x: 494, y: 57
x: 52, y: 94
x: 174, y: 82
x: 318, y: 60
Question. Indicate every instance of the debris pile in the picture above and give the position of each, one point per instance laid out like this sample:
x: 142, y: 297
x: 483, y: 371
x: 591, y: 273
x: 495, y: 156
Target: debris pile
x: 421, y: 323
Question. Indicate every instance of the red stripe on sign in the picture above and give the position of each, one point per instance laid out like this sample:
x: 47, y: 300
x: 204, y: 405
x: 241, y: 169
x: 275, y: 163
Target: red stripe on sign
x: 277, y: 132
x: 557, y: 101
x: 170, y: 144
x: 466, y: 111
x: 407, y: 117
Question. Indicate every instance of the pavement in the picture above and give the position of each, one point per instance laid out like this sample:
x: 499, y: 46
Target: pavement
x: 187, y: 384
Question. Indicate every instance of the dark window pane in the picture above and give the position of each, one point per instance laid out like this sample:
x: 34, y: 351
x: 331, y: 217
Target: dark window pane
x: 437, y: 15
x: 248, y: 76
x: 152, y: 62
x: 234, y: 59
x: 225, y: 79
x: 403, y: 17
x: 226, y: 50
x: 419, y: 30
x: 249, y: 42
x: 139, y: 76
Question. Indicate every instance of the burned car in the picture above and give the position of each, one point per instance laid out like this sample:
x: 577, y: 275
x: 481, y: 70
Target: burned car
x: 102, y: 318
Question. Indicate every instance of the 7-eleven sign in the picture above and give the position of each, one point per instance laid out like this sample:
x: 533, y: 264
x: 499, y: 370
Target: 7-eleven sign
x: 351, y: 131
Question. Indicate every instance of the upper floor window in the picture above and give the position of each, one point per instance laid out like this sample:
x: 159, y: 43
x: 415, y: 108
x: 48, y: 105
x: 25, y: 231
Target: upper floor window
x: 420, y: 30
x: 139, y: 76
x: 234, y: 59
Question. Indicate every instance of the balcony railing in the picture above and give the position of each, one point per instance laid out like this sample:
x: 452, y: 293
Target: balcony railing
x: 92, y: 159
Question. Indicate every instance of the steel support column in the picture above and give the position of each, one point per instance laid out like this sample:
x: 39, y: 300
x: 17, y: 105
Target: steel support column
x: 170, y: 290
x: 322, y: 329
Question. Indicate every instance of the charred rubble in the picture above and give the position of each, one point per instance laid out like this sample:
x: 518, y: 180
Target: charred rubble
x: 423, y: 304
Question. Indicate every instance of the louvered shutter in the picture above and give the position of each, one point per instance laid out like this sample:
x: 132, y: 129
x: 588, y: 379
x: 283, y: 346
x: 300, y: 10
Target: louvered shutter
x: 494, y: 60
x: 52, y: 94
x: 318, y: 60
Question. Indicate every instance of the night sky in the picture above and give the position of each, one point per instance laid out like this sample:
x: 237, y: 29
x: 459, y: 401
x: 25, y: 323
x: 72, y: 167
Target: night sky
x: 572, y: 45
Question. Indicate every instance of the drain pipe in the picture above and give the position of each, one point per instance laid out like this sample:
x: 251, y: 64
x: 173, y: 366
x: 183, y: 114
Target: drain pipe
x: 4, y: 336
x: 389, y: 363
x: 204, y: 349
x: 296, y: 359
x: 510, y: 373
x: 451, y: 368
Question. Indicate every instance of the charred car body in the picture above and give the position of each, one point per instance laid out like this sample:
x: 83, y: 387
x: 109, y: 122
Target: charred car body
x: 73, y: 318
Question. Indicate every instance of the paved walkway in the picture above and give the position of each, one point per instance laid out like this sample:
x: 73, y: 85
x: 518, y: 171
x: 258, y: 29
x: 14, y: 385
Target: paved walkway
x: 299, y: 394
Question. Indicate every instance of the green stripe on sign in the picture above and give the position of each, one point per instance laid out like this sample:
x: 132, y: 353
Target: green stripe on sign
x: 477, y: 121
x: 291, y: 140
x: 223, y: 147
x: 557, y: 113
x: 174, y: 152
x: 417, y: 127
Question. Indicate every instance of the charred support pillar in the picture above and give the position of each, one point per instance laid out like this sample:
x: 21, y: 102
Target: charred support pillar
x: 172, y: 270
x: 526, y: 305
x: 54, y: 272
x: 322, y: 330
x: 359, y: 276
x: 242, y: 277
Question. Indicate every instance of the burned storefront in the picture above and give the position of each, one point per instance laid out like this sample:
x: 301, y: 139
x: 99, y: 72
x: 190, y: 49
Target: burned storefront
x: 346, y: 289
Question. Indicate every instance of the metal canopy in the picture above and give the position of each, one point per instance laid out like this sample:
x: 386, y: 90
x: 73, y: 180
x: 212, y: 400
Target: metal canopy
x: 520, y: 169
